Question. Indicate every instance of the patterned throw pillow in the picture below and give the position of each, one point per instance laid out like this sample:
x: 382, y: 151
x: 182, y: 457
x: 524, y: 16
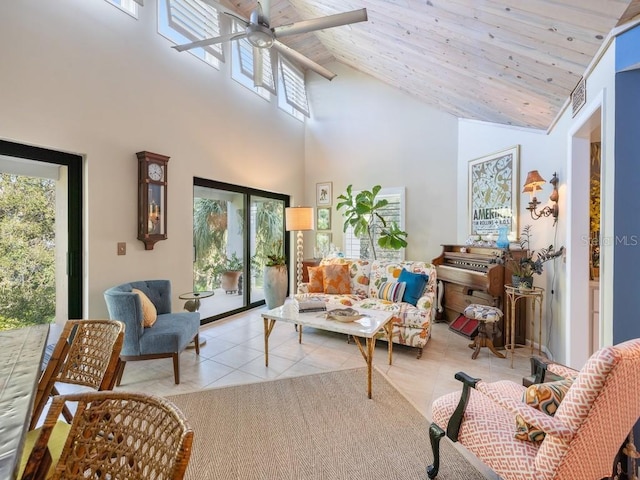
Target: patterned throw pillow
x: 316, y: 279
x: 391, y: 291
x: 336, y: 279
x: 416, y: 283
x: 149, y: 312
x: 545, y: 397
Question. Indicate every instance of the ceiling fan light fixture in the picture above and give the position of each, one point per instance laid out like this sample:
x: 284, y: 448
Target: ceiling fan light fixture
x: 259, y: 36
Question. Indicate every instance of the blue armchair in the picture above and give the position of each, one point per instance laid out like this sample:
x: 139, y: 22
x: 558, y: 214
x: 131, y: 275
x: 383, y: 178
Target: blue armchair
x: 169, y: 335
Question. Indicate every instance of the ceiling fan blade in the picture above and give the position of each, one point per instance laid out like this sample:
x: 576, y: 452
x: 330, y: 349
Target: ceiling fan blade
x: 265, y: 6
x: 321, y: 23
x: 210, y: 41
x: 257, y: 67
x: 307, y: 62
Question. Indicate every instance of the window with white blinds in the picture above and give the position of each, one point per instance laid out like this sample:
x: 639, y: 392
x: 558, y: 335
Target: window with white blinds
x: 295, y: 92
x: 185, y: 21
x: 242, y: 60
x: 129, y: 6
x: 355, y: 247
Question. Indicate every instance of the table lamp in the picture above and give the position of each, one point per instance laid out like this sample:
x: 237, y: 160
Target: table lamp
x: 299, y: 219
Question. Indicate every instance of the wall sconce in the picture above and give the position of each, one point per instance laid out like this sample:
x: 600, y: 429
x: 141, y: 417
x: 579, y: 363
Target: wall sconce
x: 531, y: 185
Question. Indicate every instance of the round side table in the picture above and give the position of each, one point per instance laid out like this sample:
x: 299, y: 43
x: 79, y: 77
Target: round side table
x: 514, y: 294
x: 192, y: 304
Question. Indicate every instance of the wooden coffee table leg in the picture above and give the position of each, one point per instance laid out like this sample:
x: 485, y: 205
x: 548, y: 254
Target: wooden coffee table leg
x: 368, y: 357
x: 268, y: 327
x: 389, y: 329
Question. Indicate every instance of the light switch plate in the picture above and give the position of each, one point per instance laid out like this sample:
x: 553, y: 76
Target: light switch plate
x: 122, y: 248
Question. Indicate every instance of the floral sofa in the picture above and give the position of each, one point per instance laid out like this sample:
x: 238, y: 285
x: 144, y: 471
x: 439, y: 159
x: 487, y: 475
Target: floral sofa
x: 411, y: 323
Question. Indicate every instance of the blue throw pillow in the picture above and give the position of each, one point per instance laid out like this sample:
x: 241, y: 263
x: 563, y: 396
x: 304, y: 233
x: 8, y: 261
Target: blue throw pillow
x: 416, y: 283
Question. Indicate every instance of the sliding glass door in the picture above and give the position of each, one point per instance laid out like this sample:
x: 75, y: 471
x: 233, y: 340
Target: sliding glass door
x: 234, y: 229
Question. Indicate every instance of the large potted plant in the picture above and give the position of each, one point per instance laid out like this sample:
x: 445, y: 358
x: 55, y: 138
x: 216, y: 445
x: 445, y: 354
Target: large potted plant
x: 523, y: 269
x: 275, y: 277
x: 362, y: 213
x: 231, y: 268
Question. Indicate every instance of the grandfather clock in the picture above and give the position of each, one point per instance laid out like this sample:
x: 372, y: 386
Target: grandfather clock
x: 152, y: 198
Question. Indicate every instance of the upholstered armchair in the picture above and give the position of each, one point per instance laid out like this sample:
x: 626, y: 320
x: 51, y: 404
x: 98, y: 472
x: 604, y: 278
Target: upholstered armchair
x: 165, y: 336
x: 568, y: 429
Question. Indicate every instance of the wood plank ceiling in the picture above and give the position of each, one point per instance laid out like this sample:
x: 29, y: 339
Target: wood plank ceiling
x: 512, y: 62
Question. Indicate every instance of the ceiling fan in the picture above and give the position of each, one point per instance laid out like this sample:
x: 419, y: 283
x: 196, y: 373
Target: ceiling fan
x: 261, y: 35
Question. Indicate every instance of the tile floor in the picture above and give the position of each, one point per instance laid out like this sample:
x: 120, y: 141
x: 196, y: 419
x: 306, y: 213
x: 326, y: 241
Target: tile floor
x: 234, y: 354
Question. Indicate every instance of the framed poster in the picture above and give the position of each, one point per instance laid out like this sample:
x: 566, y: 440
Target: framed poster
x: 494, y: 192
x: 323, y: 218
x: 324, y: 194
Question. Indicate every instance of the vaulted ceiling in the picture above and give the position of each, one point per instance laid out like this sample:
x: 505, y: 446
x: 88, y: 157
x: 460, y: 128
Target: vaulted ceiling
x: 512, y: 62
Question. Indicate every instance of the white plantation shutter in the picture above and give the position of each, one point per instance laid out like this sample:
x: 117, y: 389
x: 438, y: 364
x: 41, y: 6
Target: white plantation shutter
x: 196, y: 20
x: 294, y: 88
x: 245, y: 56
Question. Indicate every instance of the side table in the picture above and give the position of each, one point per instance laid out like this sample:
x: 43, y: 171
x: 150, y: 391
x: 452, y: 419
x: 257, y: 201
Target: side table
x: 514, y: 294
x: 192, y: 304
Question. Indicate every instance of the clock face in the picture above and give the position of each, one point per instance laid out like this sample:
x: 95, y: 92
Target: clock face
x: 156, y: 172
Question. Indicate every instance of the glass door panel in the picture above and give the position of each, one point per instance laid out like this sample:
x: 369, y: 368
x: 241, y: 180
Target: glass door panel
x: 218, y: 236
x: 266, y: 236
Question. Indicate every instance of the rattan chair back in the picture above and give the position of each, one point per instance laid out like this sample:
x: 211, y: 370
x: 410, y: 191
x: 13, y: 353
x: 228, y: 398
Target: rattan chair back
x: 87, y: 353
x: 117, y: 435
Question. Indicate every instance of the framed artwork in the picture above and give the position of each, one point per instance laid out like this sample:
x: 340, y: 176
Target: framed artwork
x: 323, y: 218
x: 324, y: 194
x: 323, y: 242
x: 494, y: 192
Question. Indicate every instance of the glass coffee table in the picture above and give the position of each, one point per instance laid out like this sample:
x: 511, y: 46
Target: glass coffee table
x: 192, y: 304
x: 367, y: 327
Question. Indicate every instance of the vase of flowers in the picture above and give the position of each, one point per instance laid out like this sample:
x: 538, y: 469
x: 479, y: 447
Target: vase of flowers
x: 524, y: 268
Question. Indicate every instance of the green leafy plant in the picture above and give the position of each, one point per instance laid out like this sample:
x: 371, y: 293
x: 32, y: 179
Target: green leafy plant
x: 362, y: 213
x: 275, y: 256
x: 532, y: 263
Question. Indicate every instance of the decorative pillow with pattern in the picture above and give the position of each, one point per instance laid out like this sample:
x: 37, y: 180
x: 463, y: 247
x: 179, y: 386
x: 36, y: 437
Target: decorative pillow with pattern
x: 315, y: 279
x: 149, y: 312
x: 546, y: 397
x: 391, y: 291
x: 336, y: 279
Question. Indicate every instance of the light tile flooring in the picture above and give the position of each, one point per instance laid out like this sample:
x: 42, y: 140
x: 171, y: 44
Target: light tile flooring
x: 234, y: 354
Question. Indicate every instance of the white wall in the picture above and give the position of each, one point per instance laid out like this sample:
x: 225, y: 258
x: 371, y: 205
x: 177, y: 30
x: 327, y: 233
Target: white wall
x: 84, y: 77
x: 565, y: 329
x: 364, y: 133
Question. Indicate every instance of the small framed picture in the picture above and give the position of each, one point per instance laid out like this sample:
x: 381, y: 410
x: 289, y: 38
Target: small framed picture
x: 323, y: 218
x: 323, y: 242
x: 324, y: 193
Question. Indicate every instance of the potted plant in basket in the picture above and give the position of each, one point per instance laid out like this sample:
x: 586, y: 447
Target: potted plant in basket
x: 362, y: 213
x: 275, y: 277
x: 531, y: 263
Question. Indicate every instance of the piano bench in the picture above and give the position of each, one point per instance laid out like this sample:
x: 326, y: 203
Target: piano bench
x: 483, y: 314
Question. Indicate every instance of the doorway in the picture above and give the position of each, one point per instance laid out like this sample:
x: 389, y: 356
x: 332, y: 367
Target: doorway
x: 46, y: 281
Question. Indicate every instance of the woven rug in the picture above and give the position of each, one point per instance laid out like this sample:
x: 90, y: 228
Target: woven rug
x: 319, y: 427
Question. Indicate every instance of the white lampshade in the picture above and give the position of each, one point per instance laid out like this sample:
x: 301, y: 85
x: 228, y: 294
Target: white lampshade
x: 299, y: 218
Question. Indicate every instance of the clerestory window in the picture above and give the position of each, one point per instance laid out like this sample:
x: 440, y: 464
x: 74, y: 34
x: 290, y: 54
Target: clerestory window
x: 185, y: 21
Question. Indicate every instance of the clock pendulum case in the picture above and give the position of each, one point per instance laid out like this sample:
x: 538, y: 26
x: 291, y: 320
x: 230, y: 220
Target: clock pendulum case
x: 152, y: 198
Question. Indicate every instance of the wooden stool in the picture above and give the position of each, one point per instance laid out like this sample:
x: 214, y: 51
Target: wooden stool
x: 483, y: 314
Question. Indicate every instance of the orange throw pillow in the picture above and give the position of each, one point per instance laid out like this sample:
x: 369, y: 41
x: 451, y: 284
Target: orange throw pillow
x: 336, y: 279
x: 315, y: 279
x: 149, y: 312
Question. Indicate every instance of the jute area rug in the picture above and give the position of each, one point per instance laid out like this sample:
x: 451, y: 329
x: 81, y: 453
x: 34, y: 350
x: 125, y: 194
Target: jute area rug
x: 318, y: 426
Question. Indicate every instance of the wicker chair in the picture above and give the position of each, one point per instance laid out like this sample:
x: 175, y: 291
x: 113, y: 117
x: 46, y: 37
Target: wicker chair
x: 86, y: 354
x: 582, y: 438
x: 115, y: 435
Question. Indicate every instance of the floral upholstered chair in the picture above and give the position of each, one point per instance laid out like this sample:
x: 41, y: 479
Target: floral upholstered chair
x: 571, y: 432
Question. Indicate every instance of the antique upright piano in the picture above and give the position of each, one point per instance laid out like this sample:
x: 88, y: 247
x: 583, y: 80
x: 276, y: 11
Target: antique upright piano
x: 469, y: 274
